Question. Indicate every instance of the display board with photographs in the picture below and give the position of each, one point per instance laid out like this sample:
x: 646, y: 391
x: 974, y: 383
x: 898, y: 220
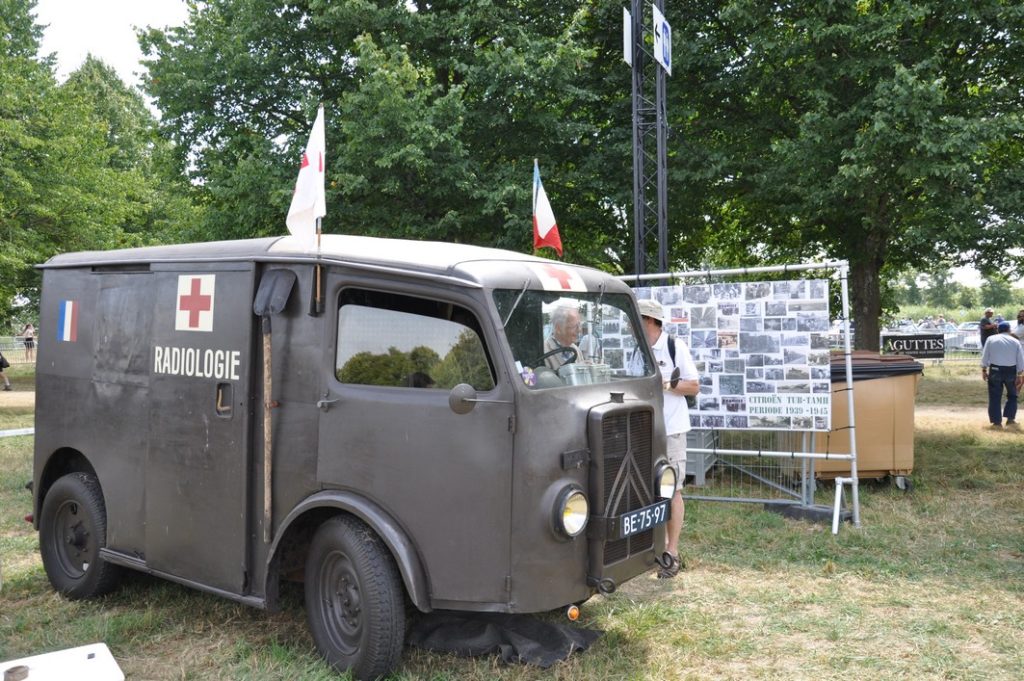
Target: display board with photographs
x: 761, y: 348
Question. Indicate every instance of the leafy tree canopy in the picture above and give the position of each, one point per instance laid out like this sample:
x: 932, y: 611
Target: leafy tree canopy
x: 889, y: 134
x: 80, y: 163
x: 435, y: 114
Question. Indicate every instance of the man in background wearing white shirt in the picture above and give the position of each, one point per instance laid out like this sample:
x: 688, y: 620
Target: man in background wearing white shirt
x: 677, y: 417
x: 1002, y: 368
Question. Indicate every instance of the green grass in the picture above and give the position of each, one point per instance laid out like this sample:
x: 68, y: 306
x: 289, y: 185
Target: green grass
x: 930, y: 587
x: 22, y: 376
x: 956, y: 384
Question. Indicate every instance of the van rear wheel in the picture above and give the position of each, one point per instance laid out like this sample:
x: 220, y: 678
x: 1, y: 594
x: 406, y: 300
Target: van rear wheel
x: 72, y: 530
x: 354, y: 599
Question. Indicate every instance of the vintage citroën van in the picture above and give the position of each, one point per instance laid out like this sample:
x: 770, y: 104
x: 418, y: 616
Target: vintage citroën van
x: 380, y: 420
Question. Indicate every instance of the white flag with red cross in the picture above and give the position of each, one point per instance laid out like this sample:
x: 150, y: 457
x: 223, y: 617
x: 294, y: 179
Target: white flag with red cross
x: 309, y: 201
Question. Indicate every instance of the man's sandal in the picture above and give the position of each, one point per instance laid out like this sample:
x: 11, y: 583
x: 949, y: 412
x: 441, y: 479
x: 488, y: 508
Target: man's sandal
x: 669, y: 566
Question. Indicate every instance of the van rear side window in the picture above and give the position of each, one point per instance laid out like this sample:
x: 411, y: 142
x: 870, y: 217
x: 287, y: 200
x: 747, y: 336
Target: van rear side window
x: 387, y: 339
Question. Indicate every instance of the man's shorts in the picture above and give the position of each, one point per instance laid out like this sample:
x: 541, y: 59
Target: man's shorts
x: 675, y: 447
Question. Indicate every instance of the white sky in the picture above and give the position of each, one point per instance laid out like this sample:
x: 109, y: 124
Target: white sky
x: 104, y: 28
x: 968, y: 276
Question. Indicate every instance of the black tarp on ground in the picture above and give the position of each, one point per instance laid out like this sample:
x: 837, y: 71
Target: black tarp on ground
x: 517, y: 638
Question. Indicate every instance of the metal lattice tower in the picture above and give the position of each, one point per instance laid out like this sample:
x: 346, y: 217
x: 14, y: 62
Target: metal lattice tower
x: 650, y: 154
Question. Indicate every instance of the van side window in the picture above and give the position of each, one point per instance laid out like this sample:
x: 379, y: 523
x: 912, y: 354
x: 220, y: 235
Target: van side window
x: 388, y: 339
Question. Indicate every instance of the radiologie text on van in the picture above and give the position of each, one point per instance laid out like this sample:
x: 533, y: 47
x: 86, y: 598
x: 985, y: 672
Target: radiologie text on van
x: 196, y: 363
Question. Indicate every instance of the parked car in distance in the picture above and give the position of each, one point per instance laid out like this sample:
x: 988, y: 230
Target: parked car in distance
x: 951, y: 334
x: 971, y: 336
x: 904, y: 326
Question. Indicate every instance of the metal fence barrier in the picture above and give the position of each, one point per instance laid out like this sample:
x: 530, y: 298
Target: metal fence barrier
x: 13, y: 348
x: 773, y: 468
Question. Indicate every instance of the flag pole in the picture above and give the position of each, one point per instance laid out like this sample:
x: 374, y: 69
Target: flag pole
x: 536, y: 250
x: 319, y: 302
x: 319, y: 232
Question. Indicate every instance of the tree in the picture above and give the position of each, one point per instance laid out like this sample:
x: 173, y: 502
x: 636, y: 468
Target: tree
x: 79, y: 163
x: 24, y: 83
x: 435, y: 112
x: 908, y: 292
x: 997, y: 291
x: 941, y: 288
x: 965, y: 298
x: 888, y: 134
x: 367, y: 368
x: 160, y: 209
x: 466, y: 362
x: 423, y: 358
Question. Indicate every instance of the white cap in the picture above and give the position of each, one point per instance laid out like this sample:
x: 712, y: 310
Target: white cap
x: 652, y: 309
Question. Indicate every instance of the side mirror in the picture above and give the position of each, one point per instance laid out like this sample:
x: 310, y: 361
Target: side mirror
x: 462, y: 398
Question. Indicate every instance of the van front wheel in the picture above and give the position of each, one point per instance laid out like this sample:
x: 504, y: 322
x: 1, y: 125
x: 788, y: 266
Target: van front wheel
x: 354, y: 599
x: 72, y: 530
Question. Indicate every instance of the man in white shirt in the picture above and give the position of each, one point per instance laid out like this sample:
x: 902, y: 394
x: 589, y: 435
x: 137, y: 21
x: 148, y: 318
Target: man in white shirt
x: 1002, y: 366
x: 1019, y: 331
x: 677, y: 416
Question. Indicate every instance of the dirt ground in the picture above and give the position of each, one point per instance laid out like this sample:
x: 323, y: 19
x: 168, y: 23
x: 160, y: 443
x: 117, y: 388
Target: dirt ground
x: 17, y: 398
x: 951, y: 415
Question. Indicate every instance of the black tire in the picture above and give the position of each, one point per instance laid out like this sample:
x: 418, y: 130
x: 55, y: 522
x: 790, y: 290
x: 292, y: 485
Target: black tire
x: 72, y: 530
x: 354, y: 599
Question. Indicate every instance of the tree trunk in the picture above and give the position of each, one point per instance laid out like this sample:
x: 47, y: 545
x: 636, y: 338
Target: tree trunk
x: 866, y: 301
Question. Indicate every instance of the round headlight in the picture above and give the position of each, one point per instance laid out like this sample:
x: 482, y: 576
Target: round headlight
x: 666, y: 481
x: 572, y: 512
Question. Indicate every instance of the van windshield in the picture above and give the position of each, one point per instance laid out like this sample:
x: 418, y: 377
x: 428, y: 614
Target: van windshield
x: 577, y: 339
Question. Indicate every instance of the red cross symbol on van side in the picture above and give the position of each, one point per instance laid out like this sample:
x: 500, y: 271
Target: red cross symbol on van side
x: 194, y: 303
x: 562, y: 276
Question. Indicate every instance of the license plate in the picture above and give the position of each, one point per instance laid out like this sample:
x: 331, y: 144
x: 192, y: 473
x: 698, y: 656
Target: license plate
x: 643, y: 518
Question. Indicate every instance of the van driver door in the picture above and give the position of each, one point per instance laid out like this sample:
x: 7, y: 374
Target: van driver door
x: 387, y: 432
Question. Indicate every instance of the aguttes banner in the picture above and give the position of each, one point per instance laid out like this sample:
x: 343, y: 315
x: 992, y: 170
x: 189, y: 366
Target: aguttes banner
x: 919, y: 345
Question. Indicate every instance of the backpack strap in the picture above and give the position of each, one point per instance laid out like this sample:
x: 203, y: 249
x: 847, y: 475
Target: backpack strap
x: 672, y: 350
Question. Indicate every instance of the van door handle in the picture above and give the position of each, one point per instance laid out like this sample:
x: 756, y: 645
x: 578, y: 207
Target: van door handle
x: 324, y: 404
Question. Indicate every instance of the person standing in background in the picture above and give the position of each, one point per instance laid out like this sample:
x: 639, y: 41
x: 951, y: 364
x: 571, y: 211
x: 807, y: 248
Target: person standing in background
x: 670, y: 353
x: 1002, y: 366
x: 3, y: 365
x: 28, y: 333
x: 987, y: 325
x: 1019, y: 331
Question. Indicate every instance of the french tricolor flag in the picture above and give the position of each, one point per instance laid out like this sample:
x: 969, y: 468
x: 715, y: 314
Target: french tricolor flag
x: 67, y: 321
x: 545, y: 229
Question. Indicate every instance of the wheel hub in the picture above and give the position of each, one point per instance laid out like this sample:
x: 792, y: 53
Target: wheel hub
x: 344, y: 600
x: 74, y: 540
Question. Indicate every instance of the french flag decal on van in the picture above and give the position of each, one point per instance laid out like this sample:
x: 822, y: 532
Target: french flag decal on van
x: 67, y: 321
